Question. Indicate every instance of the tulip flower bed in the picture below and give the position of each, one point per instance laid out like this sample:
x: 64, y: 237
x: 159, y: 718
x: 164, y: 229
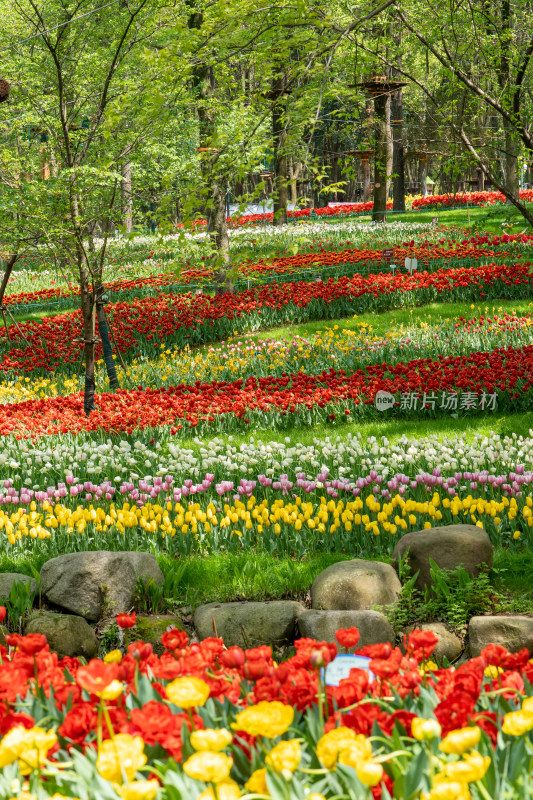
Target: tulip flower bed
x: 466, y: 198
x: 499, y: 379
x: 346, y: 348
x: 337, y: 518
x: 168, y: 465
x: 216, y: 723
x: 151, y: 263
x: 145, y: 323
x: 305, y: 266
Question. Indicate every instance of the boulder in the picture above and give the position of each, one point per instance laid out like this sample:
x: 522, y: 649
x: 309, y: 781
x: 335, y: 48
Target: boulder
x: 449, y: 645
x: 354, y: 586
x: 249, y: 624
x: 7, y: 579
x: 66, y: 634
x: 449, y: 546
x: 150, y: 629
x: 513, y: 632
x: 373, y: 627
x: 97, y: 584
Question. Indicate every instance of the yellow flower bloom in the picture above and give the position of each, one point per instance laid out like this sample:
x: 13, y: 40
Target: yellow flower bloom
x: 369, y: 772
x: 226, y: 790
x: 29, y: 747
x: 188, y: 692
x: 527, y: 705
x: 137, y: 790
x: 211, y: 739
x: 472, y: 768
x: 113, y: 657
x: 492, y: 671
x: 516, y: 723
x: 55, y: 796
x: 268, y: 719
x: 334, y: 742
x: 425, y: 729
x: 257, y: 782
x: 208, y: 766
x: 111, y: 691
x: 459, y: 741
x: 285, y: 755
x: 447, y: 790
x: 120, y: 757
x: 427, y: 666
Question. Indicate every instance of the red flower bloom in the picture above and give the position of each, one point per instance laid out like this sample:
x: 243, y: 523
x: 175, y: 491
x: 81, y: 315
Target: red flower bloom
x: 420, y: 644
x: 174, y: 639
x: 347, y: 637
x: 96, y: 676
x: 126, y: 620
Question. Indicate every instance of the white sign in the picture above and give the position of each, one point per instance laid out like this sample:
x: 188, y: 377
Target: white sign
x: 340, y: 668
x: 411, y: 264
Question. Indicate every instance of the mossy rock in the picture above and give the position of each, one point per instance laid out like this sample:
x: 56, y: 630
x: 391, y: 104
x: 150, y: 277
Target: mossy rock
x: 150, y: 629
x: 67, y: 634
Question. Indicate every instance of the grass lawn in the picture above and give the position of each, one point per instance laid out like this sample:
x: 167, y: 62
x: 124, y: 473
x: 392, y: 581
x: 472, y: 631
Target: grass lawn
x: 489, y: 219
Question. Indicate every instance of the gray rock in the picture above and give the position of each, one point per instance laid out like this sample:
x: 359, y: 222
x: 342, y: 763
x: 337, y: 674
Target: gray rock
x: 449, y: 546
x: 99, y: 583
x: 373, y: 627
x: 449, y: 645
x: 354, y: 586
x: 66, y: 634
x: 150, y: 629
x: 7, y: 579
x: 512, y: 632
x: 249, y: 624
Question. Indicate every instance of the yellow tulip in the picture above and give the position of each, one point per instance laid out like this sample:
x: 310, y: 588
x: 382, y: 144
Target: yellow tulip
x: 120, y: 757
x: 459, y: 741
x: 208, y: 766
x: 137, y: 790
x: 257, y: 782
x: 268, y: 719
x: 425, y: 729
x: 285, y: 756
x: 226, y: 790
x: 211, y: 739
x: 188, y: 692
x: 335, y: 741
x: 472, y: 768
x: 113, y: 657
x: 516, y: 723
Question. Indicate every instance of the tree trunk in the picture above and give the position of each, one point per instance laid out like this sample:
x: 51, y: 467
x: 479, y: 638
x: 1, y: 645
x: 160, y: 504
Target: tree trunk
x: 7, y: 274
x: 281, y: 195
x: 389, y: 145
x: 382, y: 115
x: 398, y: 166
x: 103, y: 330
x: 512, y: 179
x: 367, y: 192
x: 127, y: 199
x: 220, y: 238
x: 87, y: 306
x: 423, y: 174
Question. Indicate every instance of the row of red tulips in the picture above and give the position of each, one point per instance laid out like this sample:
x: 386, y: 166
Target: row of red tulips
x: 292, y: 399
x: 180, y: 319
x: 466, y: 198
x: 425, y: 253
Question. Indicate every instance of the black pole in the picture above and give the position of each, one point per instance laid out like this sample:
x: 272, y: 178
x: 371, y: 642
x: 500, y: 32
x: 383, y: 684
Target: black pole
x: 106, y: 344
